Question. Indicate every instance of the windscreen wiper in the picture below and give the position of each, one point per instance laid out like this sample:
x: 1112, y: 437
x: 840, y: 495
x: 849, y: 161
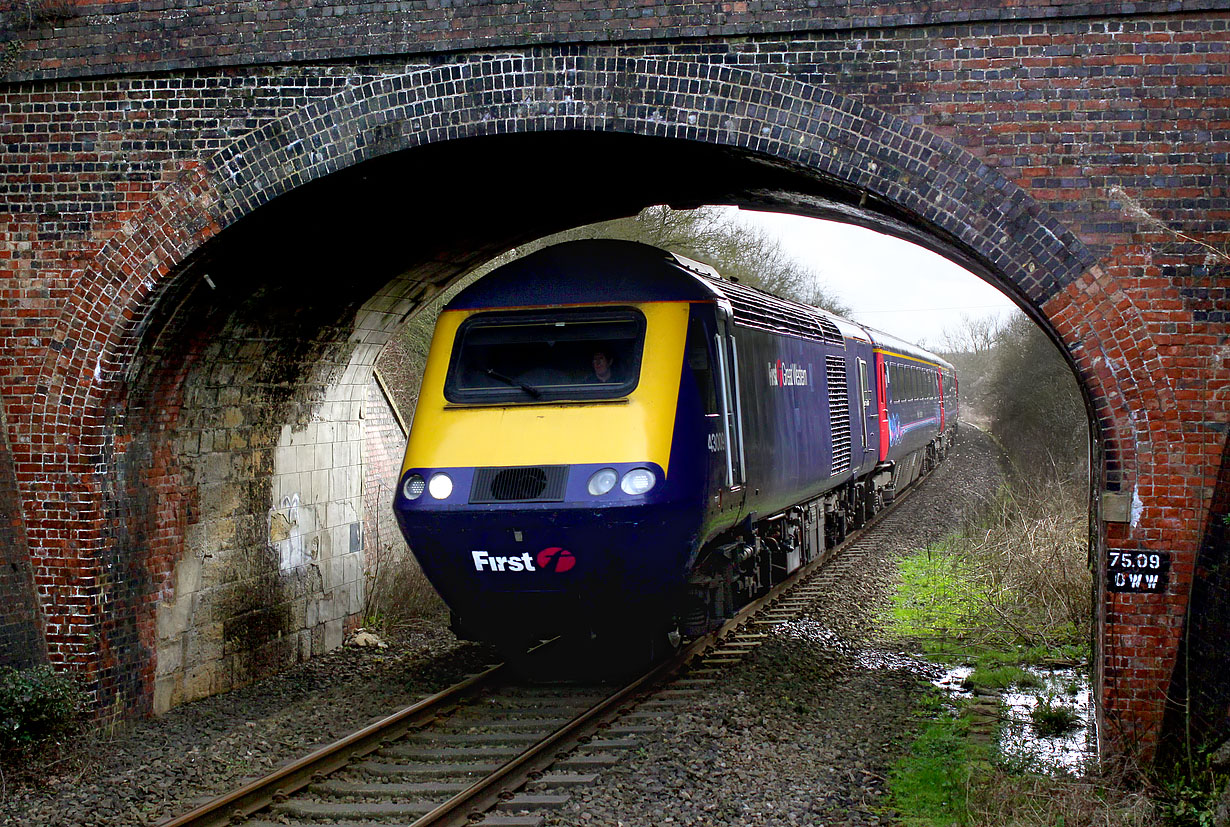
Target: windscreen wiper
x: 508, y: 380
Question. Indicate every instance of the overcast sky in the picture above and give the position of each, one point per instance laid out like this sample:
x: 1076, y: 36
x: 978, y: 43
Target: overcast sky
x: 890, y: 284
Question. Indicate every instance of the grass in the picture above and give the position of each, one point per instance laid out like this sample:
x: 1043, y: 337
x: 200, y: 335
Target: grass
x: 937, y: 597
x: 1010, y: 591
x: 1002, y: 677
x: 1016, y: 579
x: 930, y: 785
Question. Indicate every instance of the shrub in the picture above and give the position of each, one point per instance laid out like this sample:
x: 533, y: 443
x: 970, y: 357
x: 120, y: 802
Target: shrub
x: 36, y: 704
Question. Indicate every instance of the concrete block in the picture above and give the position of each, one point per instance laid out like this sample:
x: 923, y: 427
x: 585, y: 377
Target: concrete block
x: 170, y: 657
x: 304, y: 459
x: 1116, y: 507
x: 194, y: 539
x: 353, y: 571
x: 323, y: 545
x: 342, y: 453
x: 320, y: 486
x: 336, y: 514
x: 334, y: 634
x: 341, y: 601
x: 188, y: 574
x: 284, y: 458
x: 198, y: 682
x: 174, y: 616
x: 168, y: 693
x: 203, y: 645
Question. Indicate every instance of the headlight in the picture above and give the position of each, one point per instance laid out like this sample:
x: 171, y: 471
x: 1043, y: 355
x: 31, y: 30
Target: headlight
x: 602, y: 481
x: 413, y: 487
x: 440, y: 486
x: 637, y: 481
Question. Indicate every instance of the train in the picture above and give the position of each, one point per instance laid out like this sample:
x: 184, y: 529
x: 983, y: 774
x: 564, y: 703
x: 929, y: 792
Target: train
x: 614, y: 442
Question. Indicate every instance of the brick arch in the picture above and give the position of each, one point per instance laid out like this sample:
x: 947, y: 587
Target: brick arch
x: 941, y: 188
x: 906, y: 173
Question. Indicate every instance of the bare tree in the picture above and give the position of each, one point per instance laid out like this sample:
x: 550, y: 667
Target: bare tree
x: 975, y: 335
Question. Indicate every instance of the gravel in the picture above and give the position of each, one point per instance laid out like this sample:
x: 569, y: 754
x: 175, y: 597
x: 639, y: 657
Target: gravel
x: 158, y: 768
x: 803, y: 731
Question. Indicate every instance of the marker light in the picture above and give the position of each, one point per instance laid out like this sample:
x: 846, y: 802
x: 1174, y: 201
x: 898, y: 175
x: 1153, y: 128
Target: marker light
x: 440, y: 486
x: 637, y: 481
x: 602, y: 481
x: 413, y: 487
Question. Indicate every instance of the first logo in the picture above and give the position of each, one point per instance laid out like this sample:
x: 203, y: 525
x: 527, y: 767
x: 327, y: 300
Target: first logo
x: 556, y: 559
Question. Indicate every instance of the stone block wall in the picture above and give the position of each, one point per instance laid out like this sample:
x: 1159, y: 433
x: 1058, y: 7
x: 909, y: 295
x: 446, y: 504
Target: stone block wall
x: 271, y: 451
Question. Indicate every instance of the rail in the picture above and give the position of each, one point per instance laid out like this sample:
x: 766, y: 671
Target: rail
x: 483, y: 794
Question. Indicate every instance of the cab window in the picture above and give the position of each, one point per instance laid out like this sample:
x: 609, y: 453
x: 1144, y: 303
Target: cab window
x: 701, y: 366
x: 532, y: 356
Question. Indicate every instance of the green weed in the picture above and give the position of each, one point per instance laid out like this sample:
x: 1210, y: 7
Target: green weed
x: 1001, y: 677
x: 929, y: 786
x: 1053, y: 718
x: 936, y: 597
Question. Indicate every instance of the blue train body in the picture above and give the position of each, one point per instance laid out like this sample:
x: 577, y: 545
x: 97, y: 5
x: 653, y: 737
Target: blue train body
x: 735, y: 437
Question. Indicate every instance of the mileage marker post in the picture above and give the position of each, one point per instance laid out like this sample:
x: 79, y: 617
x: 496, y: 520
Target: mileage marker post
x: 1142, y: 571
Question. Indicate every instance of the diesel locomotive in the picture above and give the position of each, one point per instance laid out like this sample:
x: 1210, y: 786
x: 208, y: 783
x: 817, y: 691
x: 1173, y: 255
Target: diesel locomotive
x: 610, y: 436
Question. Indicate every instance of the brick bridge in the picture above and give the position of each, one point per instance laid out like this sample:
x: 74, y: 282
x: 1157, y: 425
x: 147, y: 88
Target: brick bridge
x: 213, y: 214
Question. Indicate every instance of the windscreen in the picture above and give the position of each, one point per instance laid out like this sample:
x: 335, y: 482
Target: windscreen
x: 536, y: 356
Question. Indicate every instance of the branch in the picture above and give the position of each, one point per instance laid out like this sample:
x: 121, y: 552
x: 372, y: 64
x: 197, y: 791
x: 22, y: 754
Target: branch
x: 1134, y: 209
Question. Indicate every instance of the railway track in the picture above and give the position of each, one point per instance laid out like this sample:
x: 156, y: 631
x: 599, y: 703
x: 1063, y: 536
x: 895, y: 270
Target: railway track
x: 497, y: 751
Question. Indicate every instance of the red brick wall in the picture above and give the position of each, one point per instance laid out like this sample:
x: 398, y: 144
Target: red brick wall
x: 996, y: 133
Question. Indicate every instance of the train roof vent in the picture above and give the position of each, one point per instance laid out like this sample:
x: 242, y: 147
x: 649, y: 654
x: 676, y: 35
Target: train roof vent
x: 757, y: 309
x: 542, y: 484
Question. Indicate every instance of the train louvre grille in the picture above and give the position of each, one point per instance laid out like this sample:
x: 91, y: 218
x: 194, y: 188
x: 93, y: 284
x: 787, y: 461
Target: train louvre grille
x: 839, y: 413
x: 531, y: 484
x: 752, y: 308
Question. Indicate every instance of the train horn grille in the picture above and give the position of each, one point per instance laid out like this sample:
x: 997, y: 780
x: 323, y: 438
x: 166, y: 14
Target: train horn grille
x: 524, y: 485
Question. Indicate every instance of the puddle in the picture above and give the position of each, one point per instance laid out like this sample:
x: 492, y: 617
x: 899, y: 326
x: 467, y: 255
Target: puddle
x: 953, y: 680
x: 1071, y: 751
x: 1019, y: 740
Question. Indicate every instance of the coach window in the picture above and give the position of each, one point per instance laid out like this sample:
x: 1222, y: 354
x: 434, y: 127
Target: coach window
x: 531, y: 356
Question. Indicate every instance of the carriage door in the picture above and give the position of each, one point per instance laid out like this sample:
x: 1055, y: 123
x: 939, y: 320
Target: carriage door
x: 864, y: 393
x: 731, y: 405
